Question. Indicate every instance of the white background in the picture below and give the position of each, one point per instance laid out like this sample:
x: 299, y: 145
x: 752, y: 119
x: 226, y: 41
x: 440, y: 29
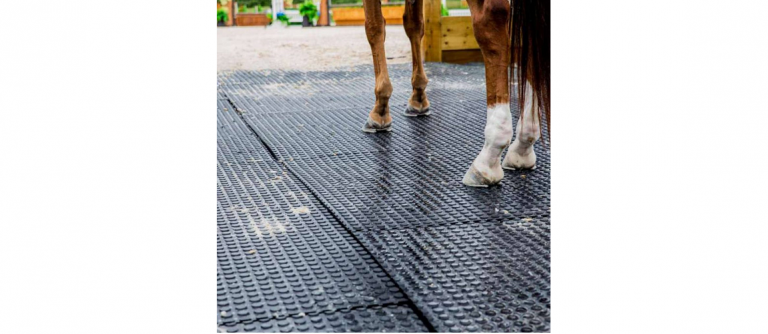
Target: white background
x: 107, y: 173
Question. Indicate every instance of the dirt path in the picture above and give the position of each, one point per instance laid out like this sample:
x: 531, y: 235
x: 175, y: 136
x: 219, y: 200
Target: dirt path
x: 296, y: 48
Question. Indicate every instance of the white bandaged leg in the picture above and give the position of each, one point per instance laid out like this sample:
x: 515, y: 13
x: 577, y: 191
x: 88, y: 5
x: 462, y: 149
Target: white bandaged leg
x: 486, y: 168
x: 521, y: 154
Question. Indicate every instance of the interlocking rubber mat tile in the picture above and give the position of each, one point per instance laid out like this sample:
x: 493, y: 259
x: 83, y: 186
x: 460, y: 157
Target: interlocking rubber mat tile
x: 457, y: 128
x: 302, y: 91
x: 375, y: 319
x: 472, y: 277
x: 410, y: 177
x: 279, y: 252
x: 398, y: 198
x: 279, y: 274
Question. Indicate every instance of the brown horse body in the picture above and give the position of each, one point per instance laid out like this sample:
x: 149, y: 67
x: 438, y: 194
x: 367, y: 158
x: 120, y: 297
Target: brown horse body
x: 491, y: 20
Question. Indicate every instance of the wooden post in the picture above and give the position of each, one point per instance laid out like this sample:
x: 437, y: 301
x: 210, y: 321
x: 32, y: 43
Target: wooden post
x: 229, y: 6
x: 324, y: 19
x: 233, y: 13
x: 431, y: 43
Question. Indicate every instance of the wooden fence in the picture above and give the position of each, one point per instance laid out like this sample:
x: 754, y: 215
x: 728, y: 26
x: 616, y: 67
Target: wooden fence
x: 449, y: 39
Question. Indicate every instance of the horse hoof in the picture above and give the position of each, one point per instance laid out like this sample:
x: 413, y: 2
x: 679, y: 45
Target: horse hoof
x: 372, y: 127
x: 413, y: 112
x: 515, y: 160
x: 476, y: 178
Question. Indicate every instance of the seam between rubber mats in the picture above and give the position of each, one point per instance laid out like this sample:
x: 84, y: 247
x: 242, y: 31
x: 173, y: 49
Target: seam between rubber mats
x: 408, y: 302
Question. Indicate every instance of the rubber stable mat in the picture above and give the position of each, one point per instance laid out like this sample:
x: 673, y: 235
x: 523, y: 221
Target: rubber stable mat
x: 472, y: 277
x: 410, y: 177
x: 279, y: 252
x: 470, y: 259
x: 279, y: 92
x: 234, y: 139
x: 396, y: 319
x: 398, y: 198
x: 321, y: 133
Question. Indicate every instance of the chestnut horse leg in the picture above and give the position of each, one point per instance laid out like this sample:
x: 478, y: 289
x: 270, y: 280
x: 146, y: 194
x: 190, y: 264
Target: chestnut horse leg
x: 379, y: 118
x: 413, y: 22
x: 490, y: 22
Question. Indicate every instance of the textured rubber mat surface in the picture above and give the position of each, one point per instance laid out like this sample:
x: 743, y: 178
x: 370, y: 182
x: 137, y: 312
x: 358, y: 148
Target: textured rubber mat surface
x: 463, y: 259
x: 331, y: 132
x: 280, y: 253
x: 410, y: 177
x: 267, y: 92
x: 472, y: 277
x: 375, y: 319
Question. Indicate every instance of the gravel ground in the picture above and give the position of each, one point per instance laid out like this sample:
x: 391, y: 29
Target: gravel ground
x: 297, y: 48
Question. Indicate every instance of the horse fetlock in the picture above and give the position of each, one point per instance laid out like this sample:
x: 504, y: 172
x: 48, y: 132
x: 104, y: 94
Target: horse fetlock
x: 380, y: 112
x: 482, y: 174
x: 529, y: 135
x: 418, y: 105
x: 420, y: 82
x: 520, y: 155
x: 378, y: 122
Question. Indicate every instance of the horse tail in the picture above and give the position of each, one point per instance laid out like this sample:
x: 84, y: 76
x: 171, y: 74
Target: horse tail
x: 529, y: 30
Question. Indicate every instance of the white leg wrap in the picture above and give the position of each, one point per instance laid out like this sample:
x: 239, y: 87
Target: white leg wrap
x: 486, y: 168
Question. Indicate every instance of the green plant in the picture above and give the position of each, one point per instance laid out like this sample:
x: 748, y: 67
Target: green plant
x: 259, y: 8
x: 269, y: 17
x: 283, y: 18
x: 308, y: 9
x: 221, y: 15
x: 443, y: 11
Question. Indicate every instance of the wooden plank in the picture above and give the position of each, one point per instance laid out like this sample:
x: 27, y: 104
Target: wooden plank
x: 251, y: 19
x: 462, y: 56
x: 432, y: 34
x: 457, y: 33
x: 355, y: 16
x: 348, y: 14
x: 393, y: 14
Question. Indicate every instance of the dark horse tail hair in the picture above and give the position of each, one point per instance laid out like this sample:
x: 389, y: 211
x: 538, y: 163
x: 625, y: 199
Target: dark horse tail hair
x: 529, y: 30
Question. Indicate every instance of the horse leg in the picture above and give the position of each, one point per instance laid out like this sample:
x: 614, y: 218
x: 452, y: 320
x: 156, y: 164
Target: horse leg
x: 413, y: 22
x: 379, y: 118
x: 489, y: 20
x: 521, y: 154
